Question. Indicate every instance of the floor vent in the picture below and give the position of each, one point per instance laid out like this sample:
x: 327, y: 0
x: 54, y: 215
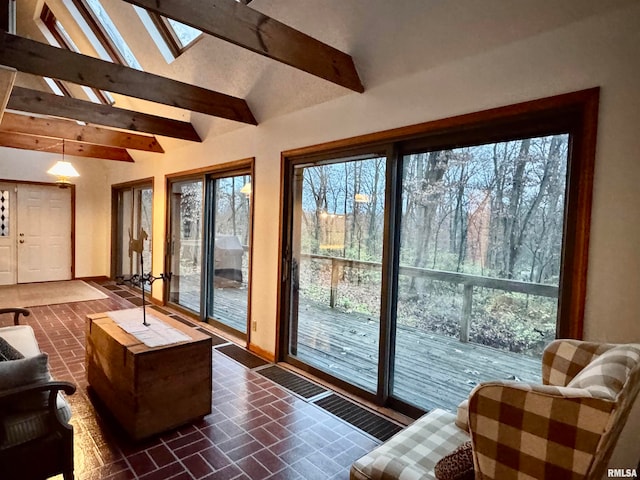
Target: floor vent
x: 291, y: 381
x: 242, y: 356
x: 215, y: 339
x: 124, y: 294
x: 366, y: 420
x: 112, y: 287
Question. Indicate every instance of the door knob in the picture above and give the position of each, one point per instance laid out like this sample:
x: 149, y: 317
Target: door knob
x: 22, y: 234
x: 21, y: 241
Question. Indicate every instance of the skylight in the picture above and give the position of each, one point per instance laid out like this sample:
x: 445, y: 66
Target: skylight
x: 170, y: 36
x: 59, y: 37
x: 184, y: 33
x: 105, y: 26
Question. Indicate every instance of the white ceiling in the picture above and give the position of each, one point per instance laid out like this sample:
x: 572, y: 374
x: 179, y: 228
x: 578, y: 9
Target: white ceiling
x: 387, y: 39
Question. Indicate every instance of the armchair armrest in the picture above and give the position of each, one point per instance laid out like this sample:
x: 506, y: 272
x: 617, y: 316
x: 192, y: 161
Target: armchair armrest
x: 15, y: 394
x: 18, y: 394
x: 564, y: 359
x: 17, y: 312
x: 537, y: 430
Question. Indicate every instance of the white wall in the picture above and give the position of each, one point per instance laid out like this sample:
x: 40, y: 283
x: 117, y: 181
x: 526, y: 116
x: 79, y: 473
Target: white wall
x: 601, y: 51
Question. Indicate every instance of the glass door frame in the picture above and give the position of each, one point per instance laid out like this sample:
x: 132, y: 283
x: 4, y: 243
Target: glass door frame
x: 288, y: 304
x: 116, y: 190
x: 574, y: 113
x: 169, y: 245
x: 207, y: 176
x: 209, y: 236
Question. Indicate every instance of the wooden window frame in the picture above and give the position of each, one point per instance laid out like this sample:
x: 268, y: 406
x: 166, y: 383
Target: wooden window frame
x: 169, y: 35
x: 574, y: 113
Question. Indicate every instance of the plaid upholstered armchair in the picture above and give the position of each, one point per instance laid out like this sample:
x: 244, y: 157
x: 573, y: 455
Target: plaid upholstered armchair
x: 565, y: 428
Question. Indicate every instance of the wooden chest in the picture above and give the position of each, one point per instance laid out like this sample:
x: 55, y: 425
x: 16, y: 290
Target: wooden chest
x: 149, y: 390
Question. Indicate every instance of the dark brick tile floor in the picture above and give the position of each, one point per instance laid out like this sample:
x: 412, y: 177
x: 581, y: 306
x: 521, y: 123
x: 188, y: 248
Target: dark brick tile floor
x: 256, y: 429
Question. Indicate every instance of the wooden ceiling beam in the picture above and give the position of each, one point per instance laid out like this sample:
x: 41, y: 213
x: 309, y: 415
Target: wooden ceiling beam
x: 7, y: 78
x: 70, y: 130
x: 33, y: 101
x: 39, y: 59
x: 52, y: 145
x: 250, y: 29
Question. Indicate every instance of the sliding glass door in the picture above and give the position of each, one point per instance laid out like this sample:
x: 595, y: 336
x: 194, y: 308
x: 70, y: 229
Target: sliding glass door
x: 473, y: 253
x: 228, y: 287
x: 481, y: 230
x: 210, y: 245
x: 186, y: 231
x: 337, y: 228
x: 412, y: 274
x: 133, y: 208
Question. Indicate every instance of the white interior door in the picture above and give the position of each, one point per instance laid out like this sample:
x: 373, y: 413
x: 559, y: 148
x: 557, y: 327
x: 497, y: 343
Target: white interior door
x: 8, y: 234
x: 44, y: 233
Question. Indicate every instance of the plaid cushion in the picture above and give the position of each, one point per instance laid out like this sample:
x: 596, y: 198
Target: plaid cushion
x: 563, y: 359
x: 528, y: 431
x: 413, y: 452
x: 607, y: 374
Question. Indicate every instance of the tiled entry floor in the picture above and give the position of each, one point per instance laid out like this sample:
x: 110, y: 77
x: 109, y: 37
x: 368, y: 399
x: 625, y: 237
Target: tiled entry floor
x: 256, y: 430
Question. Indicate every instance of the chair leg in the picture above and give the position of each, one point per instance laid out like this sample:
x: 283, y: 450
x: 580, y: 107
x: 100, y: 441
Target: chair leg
x: 67, y: 471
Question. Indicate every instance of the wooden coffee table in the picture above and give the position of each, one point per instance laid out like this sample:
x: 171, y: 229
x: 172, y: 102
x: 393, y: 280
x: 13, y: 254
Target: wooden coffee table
x: 149, y: 390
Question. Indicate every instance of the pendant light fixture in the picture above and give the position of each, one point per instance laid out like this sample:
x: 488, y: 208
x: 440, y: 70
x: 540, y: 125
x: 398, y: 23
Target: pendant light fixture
x: 64, y: 171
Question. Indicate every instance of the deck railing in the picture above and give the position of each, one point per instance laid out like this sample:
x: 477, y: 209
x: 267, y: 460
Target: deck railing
x: 468, y: 282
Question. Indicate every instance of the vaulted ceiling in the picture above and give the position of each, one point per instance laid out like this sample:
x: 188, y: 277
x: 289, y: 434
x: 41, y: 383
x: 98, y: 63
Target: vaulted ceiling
x: 253, y: 63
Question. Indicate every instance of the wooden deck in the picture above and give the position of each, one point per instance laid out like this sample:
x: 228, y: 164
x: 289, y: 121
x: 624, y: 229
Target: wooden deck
x: 431, y: 370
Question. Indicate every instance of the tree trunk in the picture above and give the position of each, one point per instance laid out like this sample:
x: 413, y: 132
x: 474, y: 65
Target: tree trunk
x: 517, y: 187
x: 373, y: 208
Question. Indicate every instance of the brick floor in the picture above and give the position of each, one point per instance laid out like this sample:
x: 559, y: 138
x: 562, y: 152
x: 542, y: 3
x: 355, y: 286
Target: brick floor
x: 256, y: 430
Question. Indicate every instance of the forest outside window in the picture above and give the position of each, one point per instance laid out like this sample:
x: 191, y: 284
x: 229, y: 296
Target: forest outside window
x: 438, y: 256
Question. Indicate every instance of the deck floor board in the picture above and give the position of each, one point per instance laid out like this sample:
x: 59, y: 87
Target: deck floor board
x: 431, y: 371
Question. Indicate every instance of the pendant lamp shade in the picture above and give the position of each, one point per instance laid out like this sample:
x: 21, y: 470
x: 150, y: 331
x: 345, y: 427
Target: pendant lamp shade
x: 63, y: 170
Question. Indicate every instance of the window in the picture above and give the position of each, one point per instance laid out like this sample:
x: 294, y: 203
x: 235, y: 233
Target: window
x: 107, y: 33
x: 63, y: 40
x: 177, y: 36
x: 4, y: 213
x: 171, y: 37
x: 438, y: 256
